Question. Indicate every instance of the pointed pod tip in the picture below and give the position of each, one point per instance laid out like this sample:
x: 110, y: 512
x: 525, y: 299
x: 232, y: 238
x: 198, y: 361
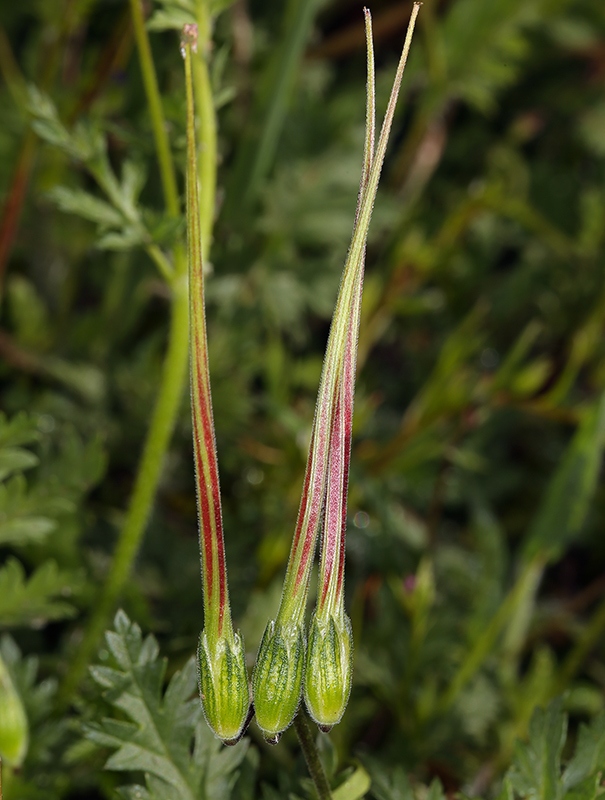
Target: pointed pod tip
x: 233, y: 742
x: 189, y: 37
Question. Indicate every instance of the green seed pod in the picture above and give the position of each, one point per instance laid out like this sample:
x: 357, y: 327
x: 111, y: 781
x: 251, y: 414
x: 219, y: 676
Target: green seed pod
x: 277, y: 678
x: 328, y: 669
x: 224, y: 688
x: 14, y: 736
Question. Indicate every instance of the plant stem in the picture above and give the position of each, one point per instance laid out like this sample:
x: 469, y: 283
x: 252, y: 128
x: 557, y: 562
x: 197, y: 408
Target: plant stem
x: 161, y: 262
x: 150, y: 467
x: 174, y: 371
x: 158, y: 124
x: 311, y: 754
x: 206, y: 150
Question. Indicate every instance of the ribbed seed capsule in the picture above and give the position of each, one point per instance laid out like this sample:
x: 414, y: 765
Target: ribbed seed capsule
x: 14, y: 735
x: 328, y: 669
x: 224, y: 686
x: 277, y: 678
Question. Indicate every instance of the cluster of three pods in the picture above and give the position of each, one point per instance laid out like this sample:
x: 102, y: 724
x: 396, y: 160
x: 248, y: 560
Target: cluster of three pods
x: 288, y: 664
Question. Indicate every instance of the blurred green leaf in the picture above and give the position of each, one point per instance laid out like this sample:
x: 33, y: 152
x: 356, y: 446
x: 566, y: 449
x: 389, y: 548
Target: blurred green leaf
x: 29, y: 314
x: 15, y: 459
x: 537, y: 764
x: 38, y: 599
x: 589, y: 756
x: 353, y: 787
x: 84, y: 204
x: 567, y: 500
x: 394, y: 787
x: 19, y: 429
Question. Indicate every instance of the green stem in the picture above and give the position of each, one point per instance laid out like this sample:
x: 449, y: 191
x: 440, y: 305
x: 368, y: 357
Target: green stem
x: 311, y: 754
x: 161, y: 262
x: 171, y: 389
x: 158, y: 124
x: 150, y: 467
x: 174, y: 371
x: 207, y: 130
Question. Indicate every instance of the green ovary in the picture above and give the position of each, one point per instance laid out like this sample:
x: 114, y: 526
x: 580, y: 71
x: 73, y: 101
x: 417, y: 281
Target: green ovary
x: 223, y: 684
x: 277, y: 679
x: 328, y: 669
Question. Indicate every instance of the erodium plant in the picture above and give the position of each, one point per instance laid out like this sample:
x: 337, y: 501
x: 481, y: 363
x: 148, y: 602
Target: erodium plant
x: 283, y: 659
x: 223, y: 679
x: 280, y: 665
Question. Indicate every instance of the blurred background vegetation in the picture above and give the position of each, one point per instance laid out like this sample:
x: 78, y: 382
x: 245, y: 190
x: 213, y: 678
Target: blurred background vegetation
x: 475, y: 548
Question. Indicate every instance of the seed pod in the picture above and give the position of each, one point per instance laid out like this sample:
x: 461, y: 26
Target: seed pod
x: 328, y: 669
x: 14, y: 734
x: 224, y: 686
x: 223, y: 680
x: 277, y: 678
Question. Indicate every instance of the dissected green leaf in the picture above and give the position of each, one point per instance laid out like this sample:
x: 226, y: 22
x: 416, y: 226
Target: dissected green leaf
x: 43, y: 772
x: 26, y: 530
x: 435, y: 790
x: 395, y: 786
x: 130, y: 236
x: 40, y: 598
x: 85, y: 143
x: 20, y: 429
x: 166, y: 737
x: 537, y: 764
x: 589, y: 756
x: 84, y: 204
x: 19, y: 522
x: 15, y: 459
x: 486, y: 42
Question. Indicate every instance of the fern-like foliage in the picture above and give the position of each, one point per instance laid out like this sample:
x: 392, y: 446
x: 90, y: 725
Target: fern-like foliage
x: 166, y: 738
x: 28, y: 515
x: 41, y: 598
x: 121, y: 222
x: 536, y: 769
x: 485, y: 44
x: 536, y: 772
x: 43, y: 772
